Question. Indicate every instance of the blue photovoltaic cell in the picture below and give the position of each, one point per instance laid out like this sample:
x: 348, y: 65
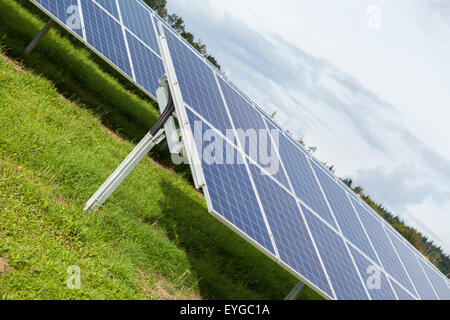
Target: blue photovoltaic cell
x: 105, y: 35
x: 437, y: 280
x: 198, y: 84
x: 230, y: 189
x: 244, y: 116
x: 252, y: 132
x: 66, y: 11
x: 138, y: 19
x: 302, y: 178
x: 383, y: 247
x: 415, y: 272
x: 289, y: 230
x: 373, y: 277
x: 344, y: 213
x: 401, y: 293
x: 338, y: 263
x: 110, y: 6
x: 147, y: 66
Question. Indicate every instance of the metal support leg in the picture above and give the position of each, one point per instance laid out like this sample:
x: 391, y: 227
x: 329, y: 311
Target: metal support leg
x: 296, y: 292
x: 154, y: 137
x: 38, y: 38
x: 119, y: 175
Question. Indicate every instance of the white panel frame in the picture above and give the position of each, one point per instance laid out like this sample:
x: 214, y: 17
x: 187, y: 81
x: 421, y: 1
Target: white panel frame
x: 80, y: 12
x: 186, y: 131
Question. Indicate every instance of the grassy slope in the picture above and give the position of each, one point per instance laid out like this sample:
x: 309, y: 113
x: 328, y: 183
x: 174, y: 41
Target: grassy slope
x: 153, y: 239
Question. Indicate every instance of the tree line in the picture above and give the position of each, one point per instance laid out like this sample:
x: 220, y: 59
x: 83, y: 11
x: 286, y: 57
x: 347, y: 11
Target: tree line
x: 177, y: 23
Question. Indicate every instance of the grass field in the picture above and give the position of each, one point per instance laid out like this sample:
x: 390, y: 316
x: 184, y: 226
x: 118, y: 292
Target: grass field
x: 154, y: 238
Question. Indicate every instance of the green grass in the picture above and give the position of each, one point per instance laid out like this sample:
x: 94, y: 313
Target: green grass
x: 152, y: 240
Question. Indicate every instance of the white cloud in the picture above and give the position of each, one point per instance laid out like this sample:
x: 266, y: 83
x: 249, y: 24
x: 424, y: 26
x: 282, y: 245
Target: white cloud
x: 405, y: 187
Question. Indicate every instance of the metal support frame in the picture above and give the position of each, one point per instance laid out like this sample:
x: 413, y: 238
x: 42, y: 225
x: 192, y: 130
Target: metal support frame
x: 295, y: 292
x: 154, y: 137
x: 172, y: 135
x: 38, y: 38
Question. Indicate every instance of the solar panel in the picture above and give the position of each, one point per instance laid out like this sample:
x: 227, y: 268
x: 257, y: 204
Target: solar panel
x: 120, y: 32
x: 236, y: 203
x: 300, y: 215
x: 64, y: 11
x: 388, y: 257
x: 374, y: 278
x: 303, y: 180
x: 422, y: 284
x: 438, y: 280
x: 197, y: 83
x: 110, y: 6
x: 345, y: 215
x: 321, y: 232
x: 250, y: 126
x: 401, y: 293
x: 291, y: 233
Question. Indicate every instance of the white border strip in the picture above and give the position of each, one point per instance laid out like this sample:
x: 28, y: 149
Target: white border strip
x: 188, y: 138
x: 125, y: 38
x: 80, y: 11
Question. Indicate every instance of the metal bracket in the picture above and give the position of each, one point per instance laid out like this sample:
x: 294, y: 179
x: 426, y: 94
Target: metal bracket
x: 154, y: 137
x: 295, y: 292
x: 172, y: 134
x: 38, y: 38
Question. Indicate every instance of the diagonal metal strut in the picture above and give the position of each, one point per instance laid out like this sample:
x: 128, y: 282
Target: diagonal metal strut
x: 155, y: 136
x: 295, y: 292
x: 38, y: 38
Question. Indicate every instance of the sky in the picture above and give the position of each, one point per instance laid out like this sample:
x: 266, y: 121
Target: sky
x: 366, y: 82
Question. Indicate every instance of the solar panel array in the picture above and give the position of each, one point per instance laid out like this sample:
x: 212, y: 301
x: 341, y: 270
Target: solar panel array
x: 301, y: 215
